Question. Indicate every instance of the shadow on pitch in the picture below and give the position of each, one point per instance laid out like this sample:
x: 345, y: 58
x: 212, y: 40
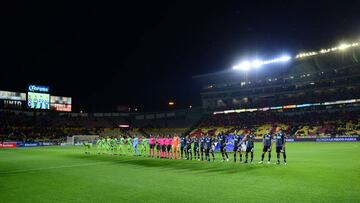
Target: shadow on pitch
x: 181, y: 165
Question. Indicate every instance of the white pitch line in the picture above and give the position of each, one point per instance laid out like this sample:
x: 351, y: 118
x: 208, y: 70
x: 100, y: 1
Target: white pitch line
x: 48, y: 168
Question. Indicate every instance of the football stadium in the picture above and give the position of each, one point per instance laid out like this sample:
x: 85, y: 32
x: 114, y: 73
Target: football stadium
x: 283, y: 128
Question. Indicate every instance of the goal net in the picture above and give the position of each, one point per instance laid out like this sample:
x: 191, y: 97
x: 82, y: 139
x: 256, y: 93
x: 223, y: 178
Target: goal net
x: 80, y: 139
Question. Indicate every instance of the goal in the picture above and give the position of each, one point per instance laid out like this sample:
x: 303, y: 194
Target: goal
x: 80, y: 139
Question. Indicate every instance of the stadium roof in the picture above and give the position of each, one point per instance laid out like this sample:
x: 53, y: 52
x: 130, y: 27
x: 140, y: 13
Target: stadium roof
x: 315, y: 63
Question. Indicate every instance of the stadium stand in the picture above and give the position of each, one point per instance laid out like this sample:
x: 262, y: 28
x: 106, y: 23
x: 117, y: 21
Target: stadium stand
x: 31, y: 126
x: 320, y: 123
x: 175, y: 122
x: 297, y: 123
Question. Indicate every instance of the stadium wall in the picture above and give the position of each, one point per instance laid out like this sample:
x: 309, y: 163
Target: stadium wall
x: 25, y: 144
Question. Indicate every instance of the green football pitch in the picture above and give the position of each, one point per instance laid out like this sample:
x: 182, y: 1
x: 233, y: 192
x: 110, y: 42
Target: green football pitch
x: 316, y: 172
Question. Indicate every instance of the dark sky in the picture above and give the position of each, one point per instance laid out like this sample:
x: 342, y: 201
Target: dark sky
x: 108, y: 53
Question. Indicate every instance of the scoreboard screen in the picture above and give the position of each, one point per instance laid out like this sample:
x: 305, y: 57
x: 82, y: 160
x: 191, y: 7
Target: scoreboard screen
x: 38, y: 100
x: 61, y: 103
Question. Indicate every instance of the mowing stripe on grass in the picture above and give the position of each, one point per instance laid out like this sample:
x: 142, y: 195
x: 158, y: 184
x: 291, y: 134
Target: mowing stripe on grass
x: 48, y: 168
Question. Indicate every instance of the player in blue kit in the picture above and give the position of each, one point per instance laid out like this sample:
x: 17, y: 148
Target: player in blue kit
x: 280, y: 146
x: 182, y: 146
x: 202, y: 147
x: 209, y: 148
x: 188, y: 148
x: 267, y: 144
x: 236, y: 143
x: 223, y: 141
x: 196, y: 148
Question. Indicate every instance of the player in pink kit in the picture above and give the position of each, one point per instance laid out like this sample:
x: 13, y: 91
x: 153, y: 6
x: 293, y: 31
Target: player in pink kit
x: 162, y: 147
x: 168, y: 142
x: 152, y: 143
x: 158, y: 146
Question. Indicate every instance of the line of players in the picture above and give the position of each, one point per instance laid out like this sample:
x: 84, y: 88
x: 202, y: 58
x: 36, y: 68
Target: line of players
x: 201, y: 148
x: 121, y: 146
x: 241, y: 144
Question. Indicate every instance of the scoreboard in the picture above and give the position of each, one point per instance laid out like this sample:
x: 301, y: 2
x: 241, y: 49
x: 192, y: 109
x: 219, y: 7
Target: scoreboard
x: 38, y: 100
x: 37, y: 97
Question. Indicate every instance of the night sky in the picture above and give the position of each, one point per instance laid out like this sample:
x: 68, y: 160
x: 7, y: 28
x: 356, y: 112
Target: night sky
x: 142, y: 54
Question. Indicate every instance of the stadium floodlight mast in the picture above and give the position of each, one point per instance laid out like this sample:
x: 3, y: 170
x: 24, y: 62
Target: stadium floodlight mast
x: 246, y: 65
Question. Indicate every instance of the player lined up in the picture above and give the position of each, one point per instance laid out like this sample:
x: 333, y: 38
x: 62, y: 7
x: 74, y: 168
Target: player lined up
x: 200, y: 148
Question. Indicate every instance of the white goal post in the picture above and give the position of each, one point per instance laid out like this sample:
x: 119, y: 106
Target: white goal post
x: 80, y: 139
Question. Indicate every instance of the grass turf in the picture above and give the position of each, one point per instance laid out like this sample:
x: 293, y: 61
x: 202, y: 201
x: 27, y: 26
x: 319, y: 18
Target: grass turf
x: 316, y: 172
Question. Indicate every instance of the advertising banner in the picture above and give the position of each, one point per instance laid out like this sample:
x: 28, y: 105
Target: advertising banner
x: 38, y: 88
x: 7, y: 144
x: 46, y: 144
x: 17, y: 96
x: 12, y: 104
x: 33, y: 144
x: 60, y: 103
x: 338, y: 139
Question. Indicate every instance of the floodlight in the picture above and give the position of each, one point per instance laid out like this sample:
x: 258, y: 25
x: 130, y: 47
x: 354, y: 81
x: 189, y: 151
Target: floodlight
x: 257, y: 63
x: 244, y: 66
x: 285, y: 58
x: 343, y: 46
